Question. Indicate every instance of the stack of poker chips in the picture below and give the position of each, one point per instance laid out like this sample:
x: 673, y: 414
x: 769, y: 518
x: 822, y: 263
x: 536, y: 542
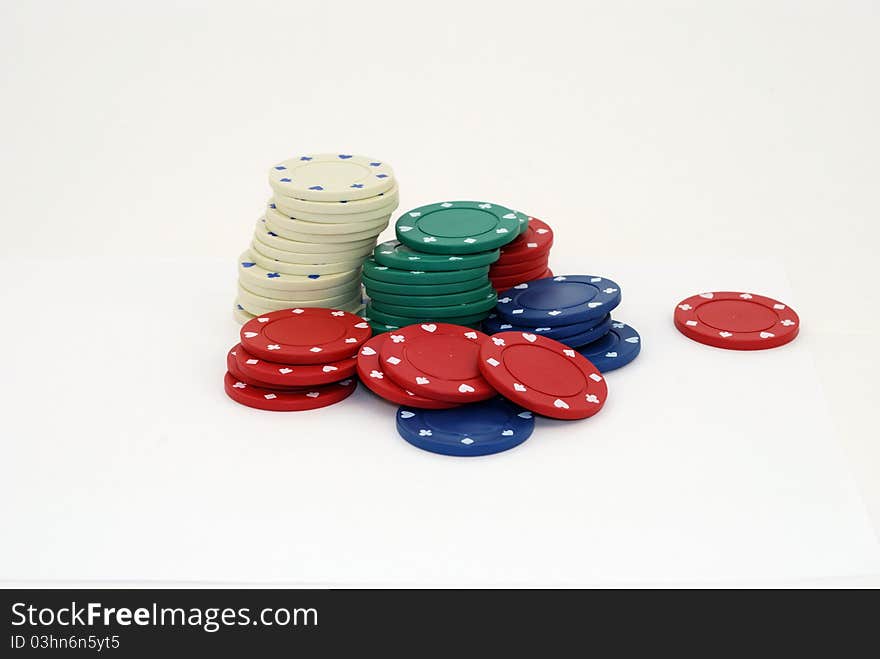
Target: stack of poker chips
x: 295, y: 359
x: 572, y: 309
x: 320, y: 224
x: 438, y: 268
x: 524, y: 259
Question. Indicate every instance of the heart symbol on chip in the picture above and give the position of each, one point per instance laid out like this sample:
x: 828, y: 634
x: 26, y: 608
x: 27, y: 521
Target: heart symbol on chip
x: 465, y: 388
x: 405, y: 414
x: 262, y: 320
x: 313, y: 394
x: 368, y: 351
x: 329, y: 369
x: 518, y: 387
x: 285, y: 370
x: 725, y: 334
x: 525, y: 415
x: 531, y: 338
x: 632, y: 339
x: 593, y: 305
x: 430, y: 327
x: 745, y: 296
x: 509, y: 216
x: 766, y: 335
x: 506, y: 433
x: 560, y: 404
x: 421, y: 380
x: 707, y: 296
x: 555, y: 312
x: 362, y: 325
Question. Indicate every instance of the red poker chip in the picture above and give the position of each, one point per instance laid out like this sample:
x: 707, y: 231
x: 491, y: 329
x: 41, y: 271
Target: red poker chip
x: 276, y: 400
x: 371, y: 374
x: 232, y: 367
x: 274, y: 374
x: 736, y: 321
x: 304, y: 335
x: 537, y: 238
x: 437, y: 360
x: 517, y: 267
x: 543, y: 375
x: 503, y: 283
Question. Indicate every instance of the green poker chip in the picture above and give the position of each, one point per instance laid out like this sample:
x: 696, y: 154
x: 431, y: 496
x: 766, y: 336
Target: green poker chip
x: 394, y: 254
x: 468, y: 309
x: 374, y: 315
x: 397, y: 276
x: 421, y: 301
x: 424, y: 289
x: 458, y: 227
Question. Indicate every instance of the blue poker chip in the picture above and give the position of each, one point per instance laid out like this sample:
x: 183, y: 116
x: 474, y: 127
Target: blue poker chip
x: 483, y: 428
x: 591, y: 335
x: 561, y: 300
x: 494, y: 324
x: 617, y: 348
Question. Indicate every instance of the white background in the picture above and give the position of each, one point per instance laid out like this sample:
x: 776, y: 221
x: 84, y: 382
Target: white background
x: 676, y: 147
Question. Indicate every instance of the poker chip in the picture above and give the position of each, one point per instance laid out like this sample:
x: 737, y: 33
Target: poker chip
x: 542, y: 375
x: 304, y: 335
x: 438, y: 361
x: 331, y: 177
x: 484, y: 428
x: 234, y: 371
x: 374, y: 314
x: 292, y: 205
x: 366, y: 228
x: 370, y: 372
x: 395, y: 254
x: 283, y: 206
x: 494, y: 324
x: 536, y: 239
x: 617, y: 348
x: 259, y: 305
x: 560, y: 300
x: 736, y: 321
x: 287, y: 401
x: 313, y: 258
x: 452, y: 311
x: 251, y: 272
x: 433, y: 300
x: 587, y: 336
x: 240, y: 314
x: 274, y: 265
x: 339, y: 294
x: 265, y: 235
x: 505, y: 282
x: 519, y: 267
x: 275, y: 374
x: 298, y: 235
x: 422, y: 290
x: 397, y: 276
x: 458, y: 227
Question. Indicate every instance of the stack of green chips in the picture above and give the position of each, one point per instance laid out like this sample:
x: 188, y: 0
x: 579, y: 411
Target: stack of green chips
x: 438, y: 268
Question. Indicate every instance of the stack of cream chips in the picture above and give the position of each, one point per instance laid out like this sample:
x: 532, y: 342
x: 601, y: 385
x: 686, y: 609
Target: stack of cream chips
x: 322, y: 222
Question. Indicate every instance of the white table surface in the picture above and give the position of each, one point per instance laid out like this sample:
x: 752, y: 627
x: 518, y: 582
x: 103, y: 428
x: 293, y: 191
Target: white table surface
x: 677, y: 147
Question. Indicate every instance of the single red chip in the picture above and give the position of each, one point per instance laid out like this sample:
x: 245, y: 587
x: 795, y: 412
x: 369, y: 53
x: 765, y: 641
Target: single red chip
x: 304, y: 336
x: 232, y: 367
x: 736, y: 321
x: 543, y: 375
x: 536, y: 239
x: 273, y: 374
x: 277, y: 400
x: 371, y: 374
x: 437, y: 360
